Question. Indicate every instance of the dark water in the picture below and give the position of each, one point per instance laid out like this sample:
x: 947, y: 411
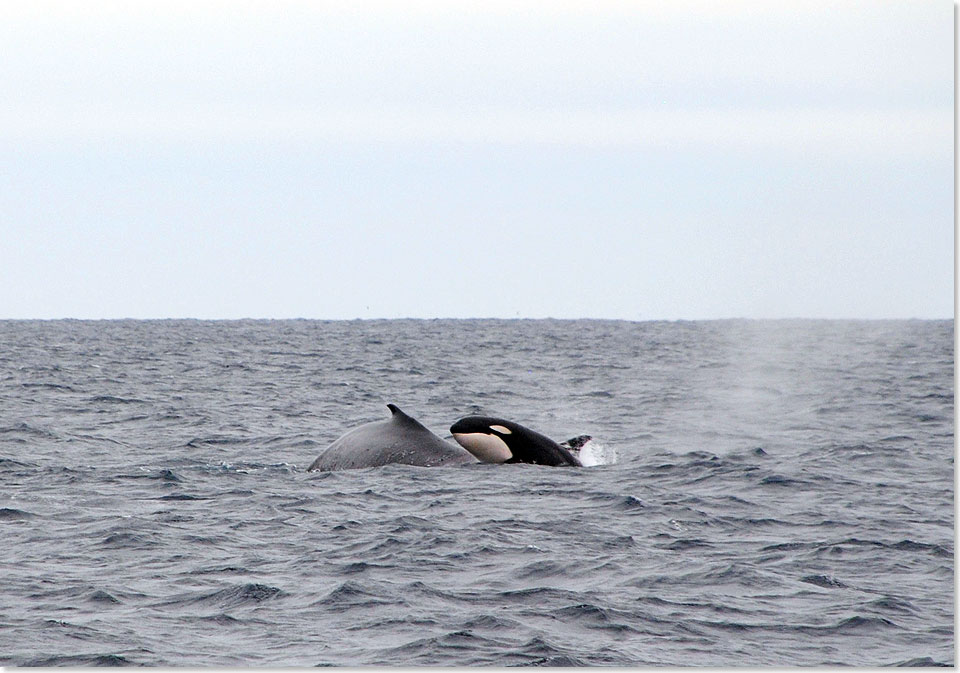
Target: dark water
x: 783, y: 495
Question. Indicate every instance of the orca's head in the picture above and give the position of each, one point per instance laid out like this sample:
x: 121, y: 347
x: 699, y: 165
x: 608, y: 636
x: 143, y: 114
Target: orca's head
x: 487, y: 438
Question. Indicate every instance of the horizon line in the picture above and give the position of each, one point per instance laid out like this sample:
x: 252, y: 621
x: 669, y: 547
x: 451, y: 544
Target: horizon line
x: 501, y: 318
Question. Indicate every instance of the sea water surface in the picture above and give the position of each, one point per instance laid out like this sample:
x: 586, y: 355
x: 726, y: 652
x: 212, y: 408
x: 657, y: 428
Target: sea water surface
x: 782, y: 493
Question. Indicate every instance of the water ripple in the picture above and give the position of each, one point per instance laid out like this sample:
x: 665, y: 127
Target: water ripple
x: 783, y: 495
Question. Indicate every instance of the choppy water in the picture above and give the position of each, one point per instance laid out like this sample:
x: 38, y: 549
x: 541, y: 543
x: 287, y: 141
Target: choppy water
x: 784, y: 494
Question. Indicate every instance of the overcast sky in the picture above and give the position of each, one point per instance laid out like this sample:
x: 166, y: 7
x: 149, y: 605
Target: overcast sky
x: 632, y: 160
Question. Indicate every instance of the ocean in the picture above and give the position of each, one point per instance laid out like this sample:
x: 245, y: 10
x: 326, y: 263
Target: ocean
x: 771, y: 493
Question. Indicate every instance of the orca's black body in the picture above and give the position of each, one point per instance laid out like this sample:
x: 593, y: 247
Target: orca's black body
x: 496, y: 440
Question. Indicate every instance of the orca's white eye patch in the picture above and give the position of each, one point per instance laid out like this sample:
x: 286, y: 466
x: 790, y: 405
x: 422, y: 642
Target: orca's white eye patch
x: 501, y: 429
x: 485, y: 448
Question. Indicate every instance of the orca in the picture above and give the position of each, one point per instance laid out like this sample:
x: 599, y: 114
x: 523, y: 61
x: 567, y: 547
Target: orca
x: 496, y: 440
x: 399, y: 439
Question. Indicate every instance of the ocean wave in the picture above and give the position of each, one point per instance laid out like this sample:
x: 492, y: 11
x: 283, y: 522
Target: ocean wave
x: 114, y: 399
x: 352, y: 594
x: 76, y: 660
x: 232, y: 596
x: 823, y: 581
x: 128, y: 540
x: 13, y: 514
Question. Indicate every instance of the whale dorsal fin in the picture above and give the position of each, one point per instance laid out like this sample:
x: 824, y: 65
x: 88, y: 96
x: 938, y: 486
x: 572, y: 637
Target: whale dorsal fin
x: 400, y: 417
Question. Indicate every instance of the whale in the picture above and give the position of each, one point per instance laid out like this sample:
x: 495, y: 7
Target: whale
x: 398, y: 439
x: 497, y: 440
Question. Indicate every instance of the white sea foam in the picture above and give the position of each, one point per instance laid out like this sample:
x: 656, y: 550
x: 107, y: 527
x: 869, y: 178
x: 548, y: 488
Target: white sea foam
x: 597, y: 453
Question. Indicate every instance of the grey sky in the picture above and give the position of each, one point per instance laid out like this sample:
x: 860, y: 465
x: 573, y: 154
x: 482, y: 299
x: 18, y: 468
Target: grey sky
x: 434, y: 159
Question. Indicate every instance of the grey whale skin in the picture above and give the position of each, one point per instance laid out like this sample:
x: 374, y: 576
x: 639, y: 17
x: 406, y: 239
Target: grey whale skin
x: 497, y: 440
x: 399, y: 439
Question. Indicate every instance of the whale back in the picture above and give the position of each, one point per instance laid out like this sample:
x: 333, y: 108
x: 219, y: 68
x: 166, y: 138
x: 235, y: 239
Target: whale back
x: 398, y: 439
